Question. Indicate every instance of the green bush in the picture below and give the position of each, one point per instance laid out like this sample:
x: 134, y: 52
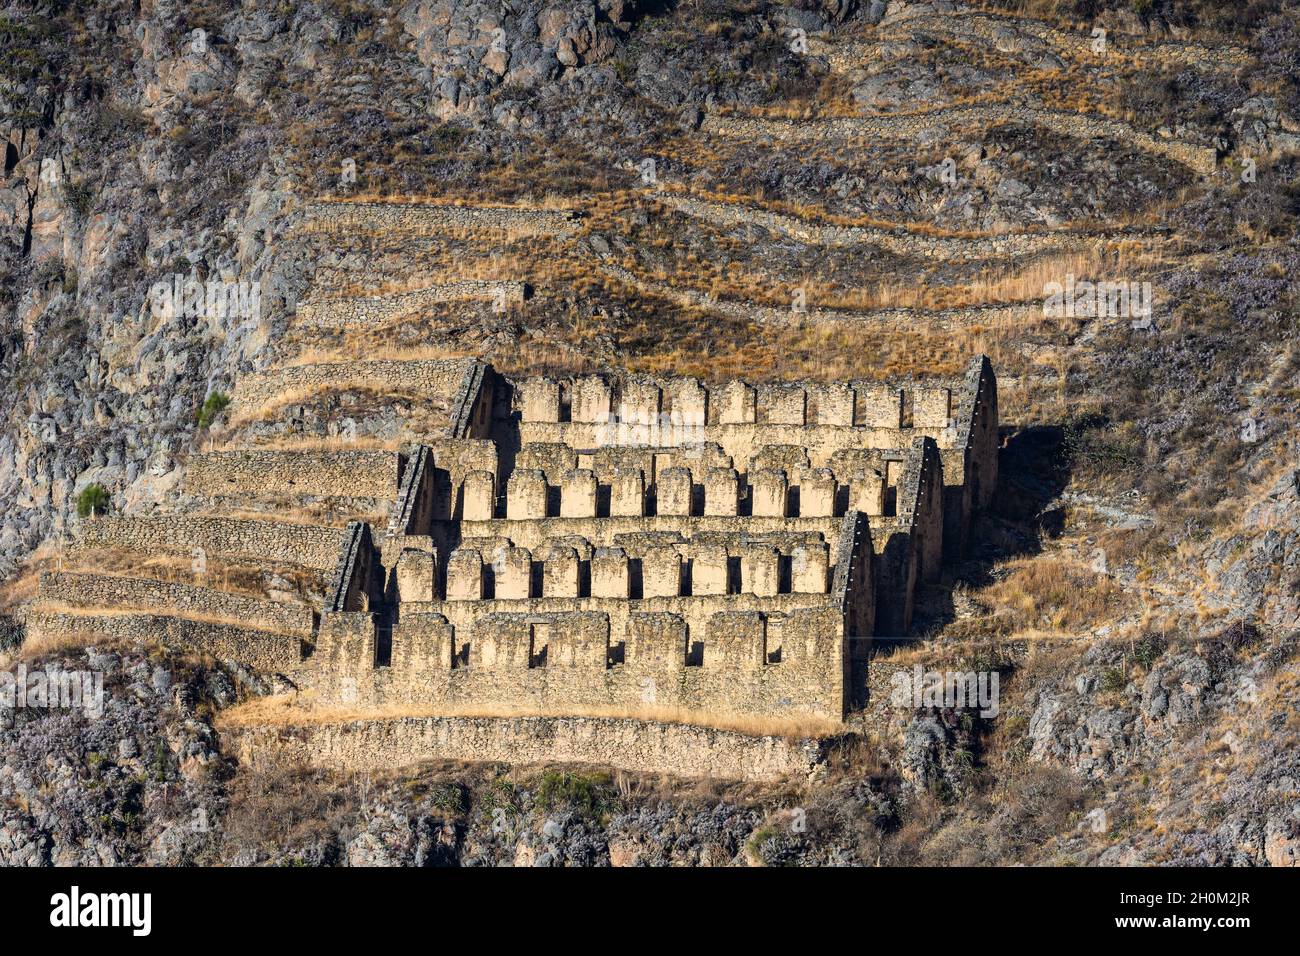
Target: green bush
x: 92, y: 500
x: 212, y: 406
x: 80, y: 197
x: 586, y: 795
x: 1113, y: 680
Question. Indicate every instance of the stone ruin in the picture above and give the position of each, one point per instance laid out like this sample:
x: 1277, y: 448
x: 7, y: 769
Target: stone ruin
x: 601, y: 543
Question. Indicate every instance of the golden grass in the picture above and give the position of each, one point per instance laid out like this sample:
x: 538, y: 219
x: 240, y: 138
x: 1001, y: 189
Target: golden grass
x: 267, y: 409
x: 35, y: 646
x: 992, y: 287
x: 1054, y: 595
x: 230, y: 576
x: 287, y: 710
x: 22, y: 585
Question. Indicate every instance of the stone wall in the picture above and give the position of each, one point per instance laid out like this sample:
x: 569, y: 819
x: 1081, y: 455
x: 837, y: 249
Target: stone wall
x: 420, y: 219
x: 434, y: 378
x: 380, y: 310
x: 1033, y: 38
x: 470, y: 411
x: 104, y: 591
x: 612, y: 542
x: 664, y: 408
x: 740, y: 662
x: 363, y: 474
x: 896, y: 241
x: 1202, y: 160
x: 644, y: 746
x: 311, y: 546
x: 260, y: 650
x: 632, y: 533
x: 900, y: 319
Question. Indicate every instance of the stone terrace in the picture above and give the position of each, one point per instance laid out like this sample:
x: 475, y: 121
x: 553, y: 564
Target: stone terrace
x: 605, y: 541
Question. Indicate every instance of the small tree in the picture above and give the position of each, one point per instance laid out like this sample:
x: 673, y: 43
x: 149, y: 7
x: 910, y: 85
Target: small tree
x: 212, y: 406
x: 93, y: 500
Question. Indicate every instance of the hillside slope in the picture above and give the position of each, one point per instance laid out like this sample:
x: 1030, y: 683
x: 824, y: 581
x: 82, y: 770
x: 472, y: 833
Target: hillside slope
x: 825, y: 191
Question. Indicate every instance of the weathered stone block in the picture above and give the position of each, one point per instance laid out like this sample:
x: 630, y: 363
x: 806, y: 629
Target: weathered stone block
x: 578, y: 494
x: 478, y: 496
x: 882, y: 406
x: 540, y: 401
x: 817, y: 493
x: 513, y: 568
x: 465, y: 575
x: 932, y: 407
x: 673, y: 492
x: 759, y: 569
x: 591, y: 400
x: 627, y: 493
x: 417, y: 572
x: 709, y: 570
x: 786, y: 405
x: 560, y: 572
x: 661, y: 572
x: 867, y: 492
x: 526, y: 495
x: 809, y: 565
x: 835, y: 405
x: 642, y: 401
x: 769, y: 490
x: 736, y: 641
x: 721, y: 491
x: 609, y: 575
x: 690, y: 403
x: 739, y: 404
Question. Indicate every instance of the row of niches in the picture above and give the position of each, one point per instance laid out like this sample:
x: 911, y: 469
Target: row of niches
x: 687, y: 402
x: 487, y: 570
x: 719, y: 492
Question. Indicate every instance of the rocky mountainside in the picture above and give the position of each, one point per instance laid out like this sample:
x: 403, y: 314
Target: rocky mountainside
x: 824, y: 189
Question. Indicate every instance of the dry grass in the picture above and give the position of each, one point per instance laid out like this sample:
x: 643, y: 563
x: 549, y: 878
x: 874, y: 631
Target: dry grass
x: 1055, y: 595
x: 268, y: 409
x: 231, y: 576
x: 22, y: 586
x: 993, y: 287
x: 286, y: 710
x: 35, y: 646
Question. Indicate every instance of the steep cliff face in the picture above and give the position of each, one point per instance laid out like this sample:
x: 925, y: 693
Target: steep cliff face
x: 168, y: 143
x: 919, y: 173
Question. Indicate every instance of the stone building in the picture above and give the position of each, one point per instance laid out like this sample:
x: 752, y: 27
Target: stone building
x: 617, y: 541
x: 602, y: 543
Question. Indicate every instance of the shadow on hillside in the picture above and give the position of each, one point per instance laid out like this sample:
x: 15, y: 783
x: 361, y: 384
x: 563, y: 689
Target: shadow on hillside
x: 1033, y: 470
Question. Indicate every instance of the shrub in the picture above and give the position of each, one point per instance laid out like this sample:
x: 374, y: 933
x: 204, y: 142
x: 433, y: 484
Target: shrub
x: 1147, y: 650
x: 12, y: 631
x: 212, y: 406
x: 1113, y: 680
x: 80, y: 198
x: 583, y: 794
x: 93, y: 500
